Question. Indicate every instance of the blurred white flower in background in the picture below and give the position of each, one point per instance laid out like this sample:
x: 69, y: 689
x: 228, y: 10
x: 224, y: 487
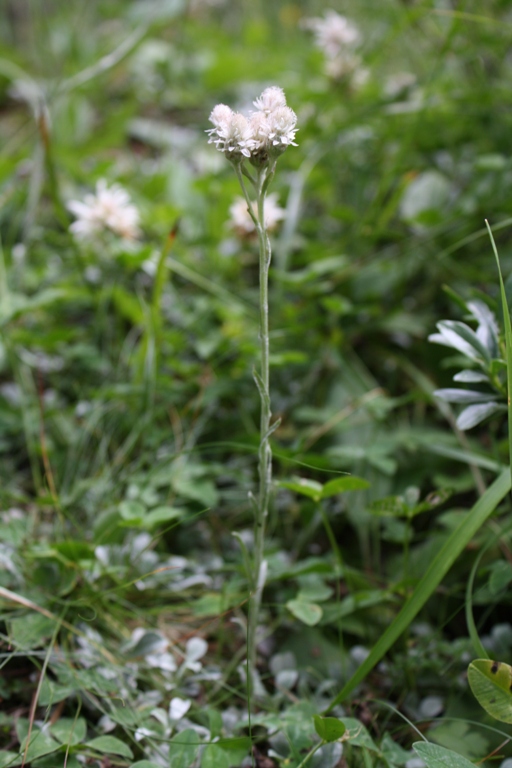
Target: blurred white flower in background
x: 337, y: 37
x: 110, y: 208
x: 333, y: 33
x: 241, y: 221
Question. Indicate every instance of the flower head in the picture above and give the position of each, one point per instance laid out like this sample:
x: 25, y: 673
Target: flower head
x: 272, y: 98
x: 109, y: 209
x: 231, y: 132
x: 282, y: 122
x: 268, y: 131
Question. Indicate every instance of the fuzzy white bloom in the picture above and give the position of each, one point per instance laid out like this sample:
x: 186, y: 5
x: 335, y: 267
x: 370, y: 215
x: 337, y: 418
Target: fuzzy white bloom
x: 272, y: 98
x: 231, y: 133
x: 333, y: 33
x: 109, y: 208
x: 282, y: 122
x: 270, y: 129
x: 242, y: 222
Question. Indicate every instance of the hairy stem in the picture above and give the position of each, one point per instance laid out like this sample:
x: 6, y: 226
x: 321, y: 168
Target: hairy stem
x: 264, y: 452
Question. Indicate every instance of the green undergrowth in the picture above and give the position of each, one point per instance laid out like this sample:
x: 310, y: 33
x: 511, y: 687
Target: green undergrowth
x: 129, y: 418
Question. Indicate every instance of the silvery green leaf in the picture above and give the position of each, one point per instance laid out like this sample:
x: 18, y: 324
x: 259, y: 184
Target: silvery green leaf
x: 470, y: 377
x: 178, y: 707
x: 464, y: 396
x: 195, y: 649
x: 487, y: 330
x: 461, y: 337
x: 142, y: 643
x: 474, y: 414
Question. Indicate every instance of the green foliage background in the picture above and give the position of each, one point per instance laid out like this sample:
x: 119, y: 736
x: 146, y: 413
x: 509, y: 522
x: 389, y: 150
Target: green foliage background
x: 129, y: 418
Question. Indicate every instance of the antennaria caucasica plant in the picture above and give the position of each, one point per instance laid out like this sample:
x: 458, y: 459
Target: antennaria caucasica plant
x: 261, y: 139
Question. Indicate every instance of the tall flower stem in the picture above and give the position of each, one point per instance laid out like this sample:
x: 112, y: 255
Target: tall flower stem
x: 262, y: 378
x: 259, y: 139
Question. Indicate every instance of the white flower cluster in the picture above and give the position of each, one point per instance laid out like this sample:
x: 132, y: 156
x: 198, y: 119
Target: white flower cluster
x: 266, y: 132
x: 109, y: 209
x: 337, y: 38
x: 242, y: 222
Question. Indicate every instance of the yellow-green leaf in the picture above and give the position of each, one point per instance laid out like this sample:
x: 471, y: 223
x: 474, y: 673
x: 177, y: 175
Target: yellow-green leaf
x: 308, y: 613
x: 329, y: 728
x: 491, y: 683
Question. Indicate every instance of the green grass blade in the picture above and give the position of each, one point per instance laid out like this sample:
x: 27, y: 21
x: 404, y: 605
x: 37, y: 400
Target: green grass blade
x: 508, y: 341
x: 454, y: 545
x: 478, y: 648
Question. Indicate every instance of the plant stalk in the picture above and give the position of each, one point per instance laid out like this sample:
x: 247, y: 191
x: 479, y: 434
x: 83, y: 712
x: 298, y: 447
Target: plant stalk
x: 265, y: 451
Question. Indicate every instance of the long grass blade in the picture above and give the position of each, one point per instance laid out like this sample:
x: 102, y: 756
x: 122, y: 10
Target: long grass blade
x: 508, y: 341
x: 454, y: 545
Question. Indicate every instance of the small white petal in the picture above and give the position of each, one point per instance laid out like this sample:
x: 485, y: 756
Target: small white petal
x: 178, y: 708
x: 195, y: 649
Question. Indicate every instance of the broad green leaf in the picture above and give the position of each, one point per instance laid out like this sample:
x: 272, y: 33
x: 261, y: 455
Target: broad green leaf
x: 315, y: 593
x: 40, y: 744
x: 30, y: 631
x: 329, y: 728
x: 491, y: 683
x: 67, y: 730
x: 360, y: 600
x: 456, y: 542
x: 235, y: 742
x: 462, y: 737
x: 201, y: 490
x: 344, y: 484
x: 214, y: 757
x: 501, y: 576
x: 391, y: 506
x: 8, y: 759
x: 475, y: 414
x: 392, y: 752
x: 310, y: 488
x: 74, y: 550
x: 161, y: 515
x: 52, y: 693
x: 308, y: 613
x: 357, y: 734
x: 440, y: 757
x: 109, y: 745
x: 145, y: 764
x: 132, y: 511
x: 57, y: 760
x: 183, y: 749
